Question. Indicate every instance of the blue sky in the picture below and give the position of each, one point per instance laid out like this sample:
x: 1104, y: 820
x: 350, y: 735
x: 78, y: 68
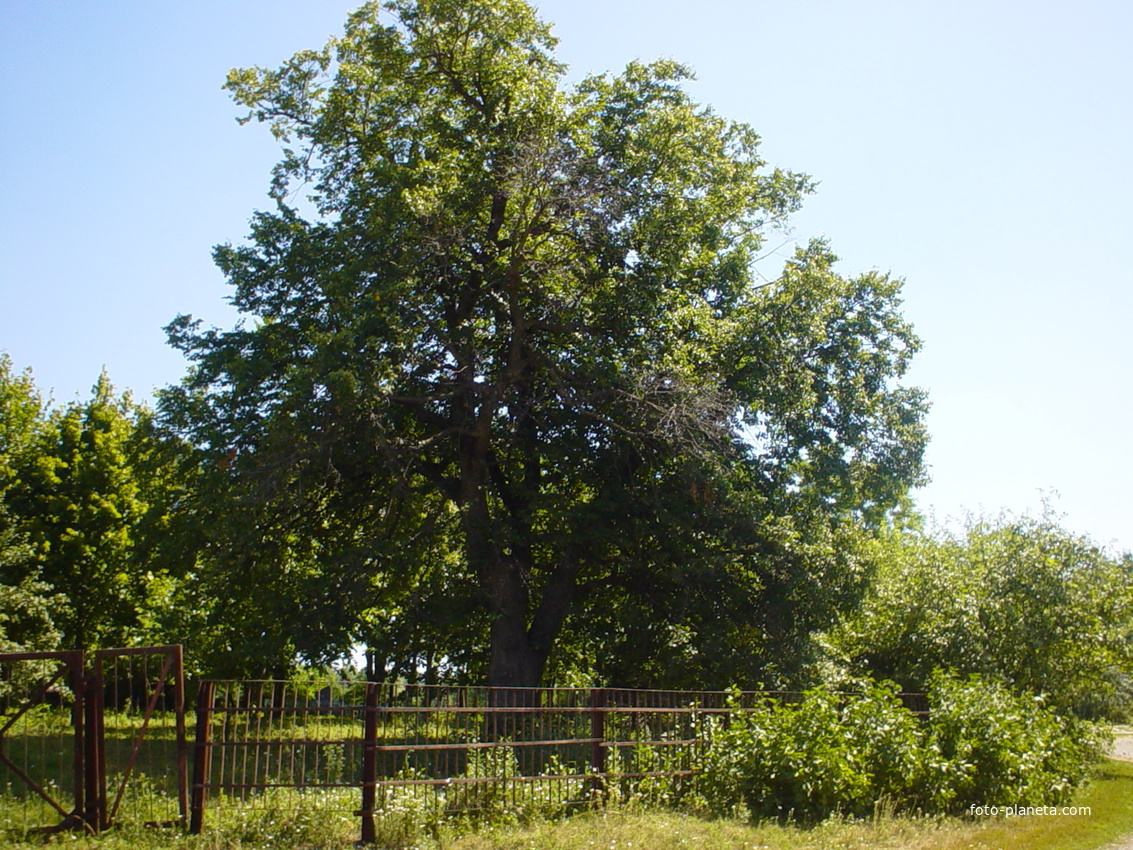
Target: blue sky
x: 980, y: 150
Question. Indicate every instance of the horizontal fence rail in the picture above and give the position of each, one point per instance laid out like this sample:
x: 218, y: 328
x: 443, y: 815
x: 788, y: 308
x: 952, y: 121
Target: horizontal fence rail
x: 457, y: 750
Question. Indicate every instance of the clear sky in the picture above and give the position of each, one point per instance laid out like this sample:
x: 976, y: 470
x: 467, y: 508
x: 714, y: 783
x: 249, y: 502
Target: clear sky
x: 980, y: 150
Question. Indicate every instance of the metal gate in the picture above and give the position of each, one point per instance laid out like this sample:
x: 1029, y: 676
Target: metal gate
x: 45, y: 769
x: 84, y: 749
x: 145, y: 737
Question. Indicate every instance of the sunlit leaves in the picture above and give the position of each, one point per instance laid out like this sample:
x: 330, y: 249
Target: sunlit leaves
x: 1020, y: 599
x: 517, y: 322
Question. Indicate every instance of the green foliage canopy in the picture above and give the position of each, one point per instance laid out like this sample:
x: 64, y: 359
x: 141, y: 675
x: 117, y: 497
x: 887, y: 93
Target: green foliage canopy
x: 509, y: 363
x: 1021, y: 600
x: 26, y: 605
x: 86, y: 488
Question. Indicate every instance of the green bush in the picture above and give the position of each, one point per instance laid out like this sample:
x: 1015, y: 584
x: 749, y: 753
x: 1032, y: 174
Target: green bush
x: 834, y: 754
x: 829, y: 753
x: 888, y: 740
x: 987, y: 745
x: 1018, y: 599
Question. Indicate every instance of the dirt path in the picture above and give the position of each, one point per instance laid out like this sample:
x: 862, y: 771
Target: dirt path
x: 1123, y: 747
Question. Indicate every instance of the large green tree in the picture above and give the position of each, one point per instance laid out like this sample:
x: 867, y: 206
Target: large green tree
x: 509, y: 363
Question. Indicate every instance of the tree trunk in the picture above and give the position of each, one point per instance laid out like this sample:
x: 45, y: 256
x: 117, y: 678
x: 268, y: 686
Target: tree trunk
x: 513, y: 662
x: 520, y: 638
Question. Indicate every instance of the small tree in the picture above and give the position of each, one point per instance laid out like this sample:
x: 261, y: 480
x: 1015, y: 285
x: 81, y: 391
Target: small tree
x: 78, y: 500
x: 1021, y: 600
x: 26, y: 604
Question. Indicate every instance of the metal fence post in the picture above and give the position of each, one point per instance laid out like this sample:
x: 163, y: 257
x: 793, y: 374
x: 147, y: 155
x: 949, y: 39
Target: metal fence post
x: 182, y: 744
x: 598, y: 739
x: 94, y: 759
x: 202, y: 757
x: 85, y: 764
x: 370, y: 762
x: 96, y: 752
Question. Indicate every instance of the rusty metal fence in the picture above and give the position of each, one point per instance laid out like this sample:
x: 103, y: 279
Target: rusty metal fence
x: 450, y: 749
x: 44, y: 762
x: 91, y: 739
x: 141, y: 736
x: 373, y: 748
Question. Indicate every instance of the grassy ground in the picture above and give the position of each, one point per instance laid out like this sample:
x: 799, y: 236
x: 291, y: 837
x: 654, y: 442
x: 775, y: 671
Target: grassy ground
x: 661, y: 831
x: 1110, y: 798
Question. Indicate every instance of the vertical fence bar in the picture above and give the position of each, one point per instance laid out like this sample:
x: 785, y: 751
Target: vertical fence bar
x: 88, y: 739
x: 370, y: 762
x: 202, y: 757
x: 93, y: 804
x: 182, y: 744
x: 78, y: 723
x: 598, y: 736
x: 98, y: 730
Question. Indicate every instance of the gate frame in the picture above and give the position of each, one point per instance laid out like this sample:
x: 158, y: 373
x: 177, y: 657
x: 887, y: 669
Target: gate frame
x: 72, y: 662
x: 173, y: 666
x: 90, y: 810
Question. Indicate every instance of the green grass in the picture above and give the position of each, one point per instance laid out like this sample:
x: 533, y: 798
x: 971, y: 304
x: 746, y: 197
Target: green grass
x: 324, y: 822
x: 664, y: 830
x: 1110, y: 798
